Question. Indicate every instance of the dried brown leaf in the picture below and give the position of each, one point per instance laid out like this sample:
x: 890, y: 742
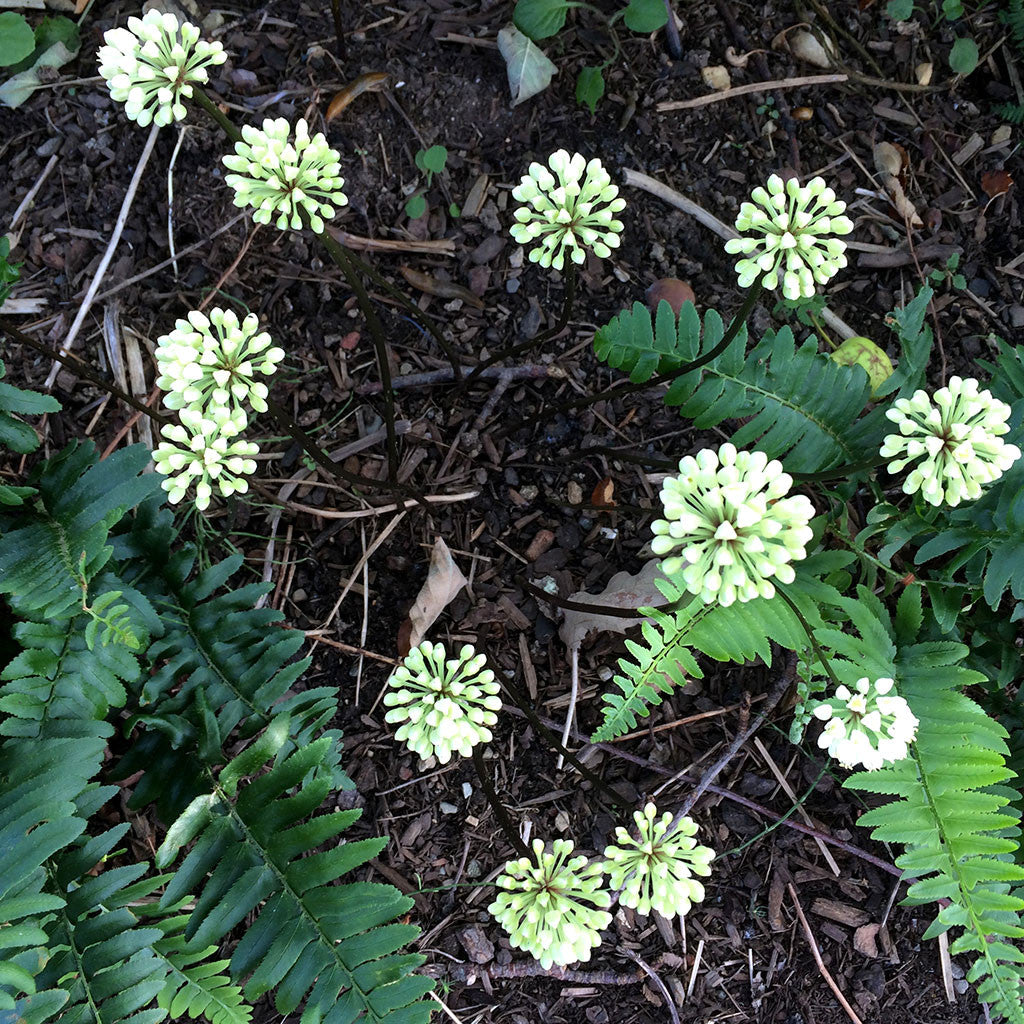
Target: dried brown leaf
x: 995, y: 183
x: 624, y: 591
x: 372, y: 81
x: 444, y: 580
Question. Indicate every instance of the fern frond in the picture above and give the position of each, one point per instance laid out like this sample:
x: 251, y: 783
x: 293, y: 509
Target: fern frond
x: 313, y: 942
x: 802, y: 406
x: 666, y: 657
x: 915, y: 339
x: 40, y: 782
x: 953, y: 819
x: 15, y: 402
x: 196, y: 985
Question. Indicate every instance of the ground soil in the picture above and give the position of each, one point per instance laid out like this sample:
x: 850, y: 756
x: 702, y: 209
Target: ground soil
x: 540, y: 497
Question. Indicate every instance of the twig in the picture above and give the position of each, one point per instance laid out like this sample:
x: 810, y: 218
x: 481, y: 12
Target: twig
x: 745, y: 90
x: 377, y: 510
x: 170, y: 198
x: 500, y: 387
x: 816, y: 953
x: 431, y: 247
x: 507, y: 827
x: 26, y: 202
x: 231, y: 268
x: 573, y: 694
x: 462, y: 973
x: 650, y: 972
x: 115, y: 237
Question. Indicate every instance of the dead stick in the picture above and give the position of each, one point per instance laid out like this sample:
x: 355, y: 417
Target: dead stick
x: 816, y: 953
x: 745, y: 90
x: 446, y: 375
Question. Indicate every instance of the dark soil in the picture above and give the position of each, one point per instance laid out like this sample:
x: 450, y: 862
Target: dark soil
x: 533, y: 479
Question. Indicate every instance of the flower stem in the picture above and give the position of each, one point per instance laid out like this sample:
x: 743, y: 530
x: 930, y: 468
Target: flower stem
x: 621, y: 390
x: 568, y: 300
x: 496, y: 805
x: 227, y: 126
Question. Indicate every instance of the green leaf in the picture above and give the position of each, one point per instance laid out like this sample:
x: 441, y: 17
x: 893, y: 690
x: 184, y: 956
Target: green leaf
x: 529, y: 70
x: 17, y: 40
x: 540, y: 19
x: 454, y: 210
x: 433, y: 159
x: 57, y: 29
x: 964, y: 56
x: 589, y: 88
x: 901, y: 10
x: 645, y: 15
x: 415, y: 206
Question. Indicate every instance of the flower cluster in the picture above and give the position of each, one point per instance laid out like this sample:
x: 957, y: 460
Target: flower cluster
x: 552, y: 904
x: 282, y: 178
x: 203, y: 455
x: 728, y: 512
x: 151, y: 65
x: 954, y: 438
x: 655, y: 871
x: 207, y: 367
x: 871, y: 726
x: 446, y: 704
x: 570, y: 209
x: 786, y: 236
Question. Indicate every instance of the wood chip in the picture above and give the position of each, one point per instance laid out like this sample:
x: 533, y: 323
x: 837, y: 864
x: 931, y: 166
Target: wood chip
x: 968, y: 149
x: 852, y: 917
x: 864, y: 940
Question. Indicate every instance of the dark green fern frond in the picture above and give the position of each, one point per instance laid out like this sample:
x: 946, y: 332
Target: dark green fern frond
x: 330, y: 947
x: 953, y: 819
x: 802, y: 406
x: 915, y: 339
x: 14, y: 402
x: 40, y: 784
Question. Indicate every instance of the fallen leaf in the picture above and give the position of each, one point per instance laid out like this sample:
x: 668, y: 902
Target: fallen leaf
x: 623, y: 591
x: 529, y: 70
x: 603, y: 495
x: 442, y: 289
x: 806, y: 46
x: 372, y: 81
x: 671, y: 290
x: 865, y: 353
x: 444, y: 580
x: 995, y: 183
x: 889, y: 163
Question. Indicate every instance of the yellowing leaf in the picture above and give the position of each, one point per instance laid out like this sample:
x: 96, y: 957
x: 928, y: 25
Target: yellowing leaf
x: 864, y: 352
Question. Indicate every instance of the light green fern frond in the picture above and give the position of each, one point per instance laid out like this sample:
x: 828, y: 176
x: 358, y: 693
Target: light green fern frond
x: 330, y: 947
x: 954, y: 821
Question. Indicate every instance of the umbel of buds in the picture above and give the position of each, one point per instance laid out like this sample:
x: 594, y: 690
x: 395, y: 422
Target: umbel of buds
x: 953, y: 439
x: 869, y: 725
x: 655, y: 870
x: 208, y: 366
x: 788, y: 236
x: 733, y: 528
x: 204, y: 456
x: 552, y: 904
x: 572, y: 209
x: 150, y: 66
x: 444, y: 704
x: 283, y: 178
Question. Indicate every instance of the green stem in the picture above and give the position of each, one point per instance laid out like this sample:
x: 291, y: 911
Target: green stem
x: 339, y: 31
x: 620, y: 391
x: 818, y: 652
x: 563, y: 321
x: 340, y: 256
x: 227, y: 126
x: 496, y: 805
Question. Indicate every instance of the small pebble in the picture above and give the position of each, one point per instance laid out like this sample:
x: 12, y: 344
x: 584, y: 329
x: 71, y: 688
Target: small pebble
x: 447, y: 808
x: 467, y: 790
x: 512, y: 286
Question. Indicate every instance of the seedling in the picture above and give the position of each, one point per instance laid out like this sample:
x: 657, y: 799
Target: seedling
x: 430, y: 162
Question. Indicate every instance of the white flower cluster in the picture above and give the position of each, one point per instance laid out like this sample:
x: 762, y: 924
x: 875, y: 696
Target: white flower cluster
x: 207, y: 367
x: 728, y: 512
x: 955, y: 439
x: 655, y: 871
x: 205, y: 456
x: 786, y: 236
x: 282, y: 178
x: 572, y: 208
x: 151, y: 65
x: 872, y: 726
x: 552, y: 905
x: 446, y: 705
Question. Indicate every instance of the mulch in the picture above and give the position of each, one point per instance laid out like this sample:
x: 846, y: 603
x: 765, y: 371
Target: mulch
x: 544, y: 496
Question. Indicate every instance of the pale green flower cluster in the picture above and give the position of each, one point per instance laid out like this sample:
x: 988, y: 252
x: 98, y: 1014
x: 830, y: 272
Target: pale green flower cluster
x: 445, y: 704
x: 871, y: 725
x: 954, y: 438
x: 151, y: 65
x: 552, y: 904
x: 281, y: 178
x: 208, y: 364
x: 728, y: 513
x: 655, y: 871
x: 202, y: 455
x: 787, y: 236
x: 570, y: 209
